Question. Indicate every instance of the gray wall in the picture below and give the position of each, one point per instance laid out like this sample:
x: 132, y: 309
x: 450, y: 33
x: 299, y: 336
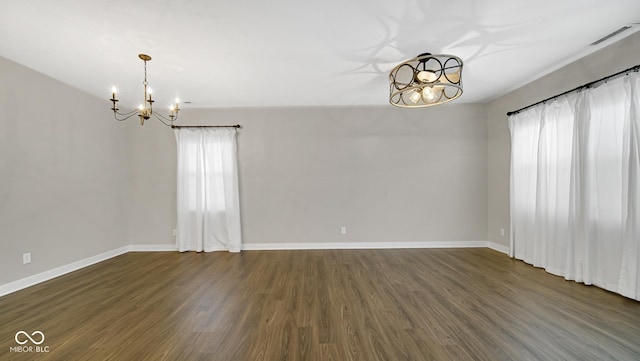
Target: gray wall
x: 616, y: 57
x: 63, y: 173
x: 387, y: 174
x: 76, y: 183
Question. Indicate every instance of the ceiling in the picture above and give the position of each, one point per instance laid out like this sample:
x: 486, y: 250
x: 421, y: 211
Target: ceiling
x: 251, y: 53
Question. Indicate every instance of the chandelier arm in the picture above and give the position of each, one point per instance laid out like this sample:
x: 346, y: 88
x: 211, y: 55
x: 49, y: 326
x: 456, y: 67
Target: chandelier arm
x: 170, y: 119
x: 164, y: 120
x: 125, y: 115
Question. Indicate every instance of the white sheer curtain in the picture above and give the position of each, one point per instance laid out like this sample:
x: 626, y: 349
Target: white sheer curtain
x: 208, y: 200
x: 575, y: 186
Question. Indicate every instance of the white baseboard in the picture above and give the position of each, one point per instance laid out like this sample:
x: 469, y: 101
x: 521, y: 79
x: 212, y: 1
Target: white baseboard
x: 498, y: 247
x: 361, y: 245
x: 324, y: 245
x: 59, y: 271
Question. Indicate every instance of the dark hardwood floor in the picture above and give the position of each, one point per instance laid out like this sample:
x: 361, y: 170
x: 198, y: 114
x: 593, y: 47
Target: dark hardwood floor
x: 431, y: 304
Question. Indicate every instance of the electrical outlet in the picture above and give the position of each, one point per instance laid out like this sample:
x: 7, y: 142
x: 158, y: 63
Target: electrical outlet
x: 502, y: 232
x: 343, y: 230
x: 26, y: 258
x: 175, y: 232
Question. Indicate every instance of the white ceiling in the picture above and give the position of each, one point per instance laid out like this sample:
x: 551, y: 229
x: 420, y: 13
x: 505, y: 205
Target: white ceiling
x: 248, y: 53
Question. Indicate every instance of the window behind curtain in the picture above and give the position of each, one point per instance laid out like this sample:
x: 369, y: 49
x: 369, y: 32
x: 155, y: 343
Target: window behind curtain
x: 200, y: 171
x: 207, y: 190
x: 575, y: 192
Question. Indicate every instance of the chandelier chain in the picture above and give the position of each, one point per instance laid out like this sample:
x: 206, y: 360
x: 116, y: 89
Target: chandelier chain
x: 145, y: 75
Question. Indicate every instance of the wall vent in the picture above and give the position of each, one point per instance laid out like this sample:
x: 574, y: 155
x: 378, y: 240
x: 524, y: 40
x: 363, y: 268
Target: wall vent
x: 611, y: 35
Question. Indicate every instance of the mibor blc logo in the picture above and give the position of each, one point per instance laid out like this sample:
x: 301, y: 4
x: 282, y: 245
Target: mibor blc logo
x: 24, y: 340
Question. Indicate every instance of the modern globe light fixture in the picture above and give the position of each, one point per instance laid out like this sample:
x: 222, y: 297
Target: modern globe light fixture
x: 426, y: 80
x: 145, y: 109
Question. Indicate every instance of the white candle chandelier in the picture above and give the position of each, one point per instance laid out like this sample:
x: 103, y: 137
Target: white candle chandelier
x: 145, y: 110
x: 426, y: 80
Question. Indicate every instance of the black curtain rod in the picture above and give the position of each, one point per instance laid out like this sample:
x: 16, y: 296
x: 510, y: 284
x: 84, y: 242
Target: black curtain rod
x: 588, y: 85
x: 207, y: 126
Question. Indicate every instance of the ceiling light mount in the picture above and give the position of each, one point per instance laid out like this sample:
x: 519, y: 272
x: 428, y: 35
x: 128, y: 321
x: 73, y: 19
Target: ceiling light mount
x: 145, y: 110
x: 426, y: 80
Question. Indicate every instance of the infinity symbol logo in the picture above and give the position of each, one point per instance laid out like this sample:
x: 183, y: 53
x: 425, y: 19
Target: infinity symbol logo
x: 29, y: 337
